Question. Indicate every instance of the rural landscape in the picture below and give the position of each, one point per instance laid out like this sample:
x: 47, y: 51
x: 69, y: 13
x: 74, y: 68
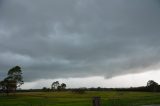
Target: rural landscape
x: 79, y: 52
x: 59, y: 95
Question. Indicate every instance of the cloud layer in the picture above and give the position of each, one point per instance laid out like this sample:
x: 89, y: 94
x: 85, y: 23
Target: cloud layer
x: 75, y: 38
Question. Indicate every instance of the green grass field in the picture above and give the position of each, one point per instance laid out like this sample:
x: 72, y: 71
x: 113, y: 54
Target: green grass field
x: 108, y: 98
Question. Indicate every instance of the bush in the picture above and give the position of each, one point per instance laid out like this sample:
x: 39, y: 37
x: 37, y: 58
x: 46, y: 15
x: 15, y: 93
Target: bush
x: 79, y: 90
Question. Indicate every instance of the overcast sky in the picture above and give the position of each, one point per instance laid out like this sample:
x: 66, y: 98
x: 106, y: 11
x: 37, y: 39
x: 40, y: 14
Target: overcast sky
x: 77, y: 40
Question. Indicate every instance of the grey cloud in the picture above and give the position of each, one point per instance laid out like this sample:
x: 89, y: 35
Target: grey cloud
x: 71, y: 38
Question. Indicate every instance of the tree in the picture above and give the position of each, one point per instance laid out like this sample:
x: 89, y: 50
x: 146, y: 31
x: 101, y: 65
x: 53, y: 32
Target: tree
x: 152, y: 85
x: 45, y: 89
x: 63, y: 86
x: 13, y: 80
x: 10, y: 85
x: 59, y: 88
x: 2, y: 86
x: 55, y: 85
x: 15, y: 74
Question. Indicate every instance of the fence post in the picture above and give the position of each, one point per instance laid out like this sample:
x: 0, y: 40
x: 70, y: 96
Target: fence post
x: 96, y: 101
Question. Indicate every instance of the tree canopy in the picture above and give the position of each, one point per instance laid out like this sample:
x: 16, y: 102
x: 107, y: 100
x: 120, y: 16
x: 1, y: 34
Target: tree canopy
x: 13, y: 80
x: 152, y: 85
x: 57, y: 86
x: 15, y: 74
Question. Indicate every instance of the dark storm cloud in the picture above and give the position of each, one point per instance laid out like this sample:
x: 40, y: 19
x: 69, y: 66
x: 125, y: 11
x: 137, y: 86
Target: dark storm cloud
x: 70, y: 38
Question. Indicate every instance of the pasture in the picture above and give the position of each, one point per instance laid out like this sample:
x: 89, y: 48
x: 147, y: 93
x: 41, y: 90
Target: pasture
x: 108, y: 98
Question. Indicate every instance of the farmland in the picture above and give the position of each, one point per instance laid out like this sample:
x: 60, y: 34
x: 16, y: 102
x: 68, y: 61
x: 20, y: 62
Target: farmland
x: 108, y: 98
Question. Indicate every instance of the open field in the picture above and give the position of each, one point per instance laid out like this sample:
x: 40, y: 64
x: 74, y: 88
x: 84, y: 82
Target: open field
x: 108, y: 98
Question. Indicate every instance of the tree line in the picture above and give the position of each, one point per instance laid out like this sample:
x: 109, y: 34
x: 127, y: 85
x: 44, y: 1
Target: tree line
x: 55, y: 86
x: 151, y: 86
x: 14, y: 79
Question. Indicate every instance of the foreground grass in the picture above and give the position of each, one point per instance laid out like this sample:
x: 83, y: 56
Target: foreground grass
x: 73, y: 99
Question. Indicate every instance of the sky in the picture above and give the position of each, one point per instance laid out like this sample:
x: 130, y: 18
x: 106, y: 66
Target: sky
x: 91, y: 43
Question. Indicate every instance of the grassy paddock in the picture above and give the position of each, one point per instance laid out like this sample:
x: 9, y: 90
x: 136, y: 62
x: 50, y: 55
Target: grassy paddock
x: 108, y: 98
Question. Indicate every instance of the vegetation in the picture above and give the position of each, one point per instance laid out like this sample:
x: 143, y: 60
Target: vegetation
x: 57, y: 86
x: 108, y: 98
x: 153, y: 86
x: 79, y: 90
x: 73, y: 97
x: 13, y: 80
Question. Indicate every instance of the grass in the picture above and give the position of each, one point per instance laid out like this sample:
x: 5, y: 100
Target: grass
x: 108, y: 98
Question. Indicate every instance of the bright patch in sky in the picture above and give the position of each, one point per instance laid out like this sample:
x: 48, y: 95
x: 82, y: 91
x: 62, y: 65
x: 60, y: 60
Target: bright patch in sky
x: 130, y: 80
